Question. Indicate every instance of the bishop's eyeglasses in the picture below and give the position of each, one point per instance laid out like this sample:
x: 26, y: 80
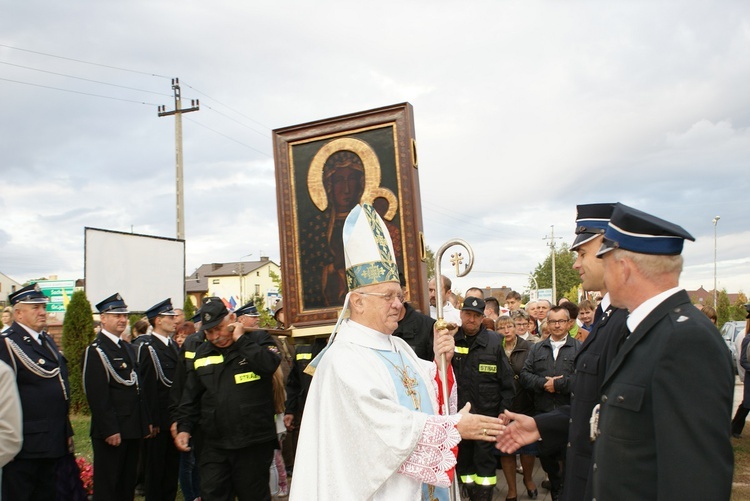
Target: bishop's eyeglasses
x: 388, y: 296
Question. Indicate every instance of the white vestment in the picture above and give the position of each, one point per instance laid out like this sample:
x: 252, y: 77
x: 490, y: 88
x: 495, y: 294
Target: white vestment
x: 450, y: 313
x: 357, y: 442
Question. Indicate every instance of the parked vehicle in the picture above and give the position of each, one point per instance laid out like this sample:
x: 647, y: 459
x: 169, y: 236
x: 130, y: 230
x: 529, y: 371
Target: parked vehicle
x: 733, y: 332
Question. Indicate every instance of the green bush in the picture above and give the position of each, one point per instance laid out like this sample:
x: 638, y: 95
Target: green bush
x: 78, y: 333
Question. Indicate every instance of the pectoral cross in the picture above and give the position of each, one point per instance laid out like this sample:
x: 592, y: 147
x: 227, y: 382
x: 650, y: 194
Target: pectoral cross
x: 410, y: 384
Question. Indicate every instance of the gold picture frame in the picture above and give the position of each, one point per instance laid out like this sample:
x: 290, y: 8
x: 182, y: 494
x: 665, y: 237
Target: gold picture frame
x: 323, y: 169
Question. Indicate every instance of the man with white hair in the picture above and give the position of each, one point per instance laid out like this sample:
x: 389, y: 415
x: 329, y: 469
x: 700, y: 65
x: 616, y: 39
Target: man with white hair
x: 660, y: 395
x: 372, y: 427
x: 41, y: 376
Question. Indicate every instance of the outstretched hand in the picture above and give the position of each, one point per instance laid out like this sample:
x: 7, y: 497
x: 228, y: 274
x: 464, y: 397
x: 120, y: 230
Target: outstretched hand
x: 519, y: 430
x: 477, y: 426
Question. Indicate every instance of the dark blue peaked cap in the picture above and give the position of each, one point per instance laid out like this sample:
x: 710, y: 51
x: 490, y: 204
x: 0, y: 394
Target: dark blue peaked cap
x: 636, y: 231
x: 161, y: 308
x: 591, y: 221
x: 113, y: 304
x: 248, y: 309
x: 212, y: 313
x: 30, y: 294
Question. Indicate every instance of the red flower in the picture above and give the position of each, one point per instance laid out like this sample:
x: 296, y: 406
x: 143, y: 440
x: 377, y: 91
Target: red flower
x: 87, y: 474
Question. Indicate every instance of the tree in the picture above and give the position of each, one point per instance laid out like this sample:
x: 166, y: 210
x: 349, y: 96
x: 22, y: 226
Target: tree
x: 429, y: 259
x: 572, y: 294
x: 78, y: 333
x: 188, y: 309
x: 266, y: 317
x: 276, y: 278
x: 723, y: 308
x: 738, y: 311
x: 566, y: 276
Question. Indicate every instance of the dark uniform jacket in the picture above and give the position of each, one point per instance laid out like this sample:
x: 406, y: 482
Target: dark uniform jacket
x: 570, y: 424
x: 665, y: 411
x: 115, y: 407
x: 298, y: 383
x: 416, y: 329
x: 483, y: 373
x: 229, y: 392
x: 186, y: 357
x: 540, y: 363
x: 523, y: 401
x: 44, y: 400
x: 157, y: 363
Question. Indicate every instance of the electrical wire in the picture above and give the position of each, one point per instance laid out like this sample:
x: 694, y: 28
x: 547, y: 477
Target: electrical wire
x: 79, y: 92
x: 85, y: 79
x: 227, y: 106
x: 262, y: 134
x: 228, y: 137
x: 83, y: 62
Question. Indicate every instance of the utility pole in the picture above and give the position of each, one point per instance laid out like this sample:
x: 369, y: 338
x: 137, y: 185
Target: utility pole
x: 177, y: 112
x: 551, y: 244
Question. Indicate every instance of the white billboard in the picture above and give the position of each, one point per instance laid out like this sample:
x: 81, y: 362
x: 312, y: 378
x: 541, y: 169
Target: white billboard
x: 143, y: 269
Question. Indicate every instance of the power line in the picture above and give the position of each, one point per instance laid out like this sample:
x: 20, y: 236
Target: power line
x: 78, y: 92
x: 228, y: 107
x: 83, y: 62
x: 236, y: 121
x: 230, y: 138
x: 84, y: 79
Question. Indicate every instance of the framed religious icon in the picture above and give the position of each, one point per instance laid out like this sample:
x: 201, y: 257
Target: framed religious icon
x: 325, y: 168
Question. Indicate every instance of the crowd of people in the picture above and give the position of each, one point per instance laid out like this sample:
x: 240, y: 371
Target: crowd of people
x: 621, y: 395
x: 198, y: 403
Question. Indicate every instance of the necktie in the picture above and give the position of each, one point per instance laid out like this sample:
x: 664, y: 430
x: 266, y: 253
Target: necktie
x: 46, y: 343
x: 597, y: 315
x: 624, y: 335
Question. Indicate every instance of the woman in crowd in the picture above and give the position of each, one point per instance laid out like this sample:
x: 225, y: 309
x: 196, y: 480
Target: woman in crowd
x: 517, y: 349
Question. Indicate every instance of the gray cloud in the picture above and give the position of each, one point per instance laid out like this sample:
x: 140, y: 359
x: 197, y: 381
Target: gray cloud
x: 521, y: 111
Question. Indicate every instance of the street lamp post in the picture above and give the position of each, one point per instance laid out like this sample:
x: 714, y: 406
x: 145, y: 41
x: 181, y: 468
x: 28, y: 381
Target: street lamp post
x: 242, y: 279
x: 716, y: 220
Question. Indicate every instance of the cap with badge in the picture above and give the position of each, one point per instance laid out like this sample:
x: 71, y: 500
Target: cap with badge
x: 161, y: 308
x: 212, y: 313
x: 249, y: 309
x: 633, y: 230
x: 113, y: 304
x: 474, y: 304
x: 31, y: 294
x: 591, y: 221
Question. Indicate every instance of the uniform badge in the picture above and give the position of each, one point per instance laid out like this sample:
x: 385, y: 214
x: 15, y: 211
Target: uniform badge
x: 242, y: 362
x: 41, y: 361
x: 682, y: 318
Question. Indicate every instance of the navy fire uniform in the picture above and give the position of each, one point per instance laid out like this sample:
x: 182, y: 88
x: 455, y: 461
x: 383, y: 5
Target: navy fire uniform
x: 229, y: 393
x: 42, y: 379
x: 157, y: 363
x: 114, y: 393
x: 484, y: 378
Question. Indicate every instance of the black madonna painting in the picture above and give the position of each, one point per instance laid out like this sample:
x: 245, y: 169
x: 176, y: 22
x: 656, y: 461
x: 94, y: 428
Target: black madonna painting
x: 323, y: 170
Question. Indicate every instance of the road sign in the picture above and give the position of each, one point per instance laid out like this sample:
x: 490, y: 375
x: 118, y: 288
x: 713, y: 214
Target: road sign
x: 59, y: 293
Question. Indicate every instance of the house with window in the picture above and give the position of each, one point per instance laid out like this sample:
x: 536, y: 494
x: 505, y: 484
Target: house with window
x: 7, y: 286
x: 236, y: 282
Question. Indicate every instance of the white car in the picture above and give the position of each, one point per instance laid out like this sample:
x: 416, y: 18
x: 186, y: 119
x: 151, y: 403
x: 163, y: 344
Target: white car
x: 733, y: 333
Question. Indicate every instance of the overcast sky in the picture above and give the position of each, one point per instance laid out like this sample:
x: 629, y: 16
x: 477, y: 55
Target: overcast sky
x: 522, y: 110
